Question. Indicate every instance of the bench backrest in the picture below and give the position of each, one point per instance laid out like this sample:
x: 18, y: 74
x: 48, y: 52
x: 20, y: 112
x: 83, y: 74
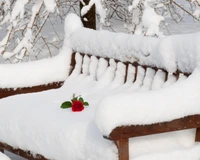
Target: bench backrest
x: 124, y: 72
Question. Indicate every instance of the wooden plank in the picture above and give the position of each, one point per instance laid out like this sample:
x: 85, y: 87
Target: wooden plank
x: 25, y: 154
x: 123, y: 148
x: 142, y: 130
x: 10, y: 91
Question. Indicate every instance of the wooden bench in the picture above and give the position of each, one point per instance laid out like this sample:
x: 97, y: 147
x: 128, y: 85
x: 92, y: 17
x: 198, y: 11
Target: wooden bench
x: 121, y: 134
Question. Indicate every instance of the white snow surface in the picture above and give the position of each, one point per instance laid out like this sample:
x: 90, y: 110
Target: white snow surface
x: 50, y: 5
x: 36, y: 72
x: 3, y: 157
x: 18, y: 9
x: 139, y: 108
x: 37, y: 123
x: 172, y: 52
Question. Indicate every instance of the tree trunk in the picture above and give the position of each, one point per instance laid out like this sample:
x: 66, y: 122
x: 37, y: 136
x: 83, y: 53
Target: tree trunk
x: 89, y: 19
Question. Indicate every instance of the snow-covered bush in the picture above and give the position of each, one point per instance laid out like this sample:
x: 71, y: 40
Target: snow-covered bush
x: 29, y: 28
x: 150, y: 17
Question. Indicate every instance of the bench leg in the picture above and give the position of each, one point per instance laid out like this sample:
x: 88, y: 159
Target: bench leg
x: 197, y: 138
x: 123, y: 148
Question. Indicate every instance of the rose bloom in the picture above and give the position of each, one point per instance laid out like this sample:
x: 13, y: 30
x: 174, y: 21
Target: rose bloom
x: 77, y: 106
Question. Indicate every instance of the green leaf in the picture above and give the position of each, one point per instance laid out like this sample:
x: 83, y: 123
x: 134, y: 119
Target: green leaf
x: 66, y: 104
x: 81, y: 99
x: 86, y: 104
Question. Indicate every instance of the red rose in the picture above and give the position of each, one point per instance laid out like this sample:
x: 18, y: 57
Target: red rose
x: 77, y: 106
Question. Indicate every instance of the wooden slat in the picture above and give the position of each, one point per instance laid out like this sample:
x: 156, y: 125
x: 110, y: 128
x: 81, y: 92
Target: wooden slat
x: 10, y: 91
x: 126, y: 73
x: 22, y: 153
x: 142, y: 130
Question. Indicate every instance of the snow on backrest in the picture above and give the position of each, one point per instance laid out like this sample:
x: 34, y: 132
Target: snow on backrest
x: 148, y: 79
x: 140, y: 76
x: 86, y: 62
x: 159, y: 80
x: 130, y: 74
x: 93, y: 66
x: 172, y: 53
x: 120, y: 75
x: 171, y: 79
x: 109, y: 74
x: 78, y: 64
x: 102, y: 66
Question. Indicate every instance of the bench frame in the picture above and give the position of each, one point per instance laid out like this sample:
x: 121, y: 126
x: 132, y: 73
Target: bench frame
x: 120, y: 135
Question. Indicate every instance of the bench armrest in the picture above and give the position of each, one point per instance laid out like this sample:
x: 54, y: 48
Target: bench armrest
x: 146, y: 108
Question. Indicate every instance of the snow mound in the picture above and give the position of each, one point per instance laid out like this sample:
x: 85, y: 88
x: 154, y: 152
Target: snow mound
x: 3, y: 157
x: 72, y: 23
x: 177, y: 52
x: 35, y: 73
x: 139, y: 108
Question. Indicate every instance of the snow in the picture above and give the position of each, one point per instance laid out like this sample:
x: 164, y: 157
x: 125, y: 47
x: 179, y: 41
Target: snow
x: 171, y: 52
x: 151, y: 20
x: 75, y: 135
x: 181, y: 99
x: 3, y: 157
x: 36, y: 72
x: 62, y: 134
x: 100, y: 10
x: 35, y: 9
x: 50, y: 5
x: 18, y: 9
x: 72, y: 23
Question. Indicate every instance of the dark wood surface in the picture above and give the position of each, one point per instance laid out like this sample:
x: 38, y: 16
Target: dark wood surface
x: 25, y: 154
x: 90, y: 16
x: 124, y: 132
x: 123, y: 148
x: 197, y: 137
x: 10, y: 91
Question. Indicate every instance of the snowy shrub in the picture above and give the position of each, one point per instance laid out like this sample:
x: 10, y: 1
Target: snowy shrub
x: 29, y: 29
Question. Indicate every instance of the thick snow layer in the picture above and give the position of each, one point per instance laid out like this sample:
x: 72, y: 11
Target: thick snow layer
x: 172, y: 52
x: 62, y: 134
x: 37, y: 123
x: 120, y: 46
x: 37, y: 72
x: 176, y: 101
x: 3, y: 157
x: 72, y: 23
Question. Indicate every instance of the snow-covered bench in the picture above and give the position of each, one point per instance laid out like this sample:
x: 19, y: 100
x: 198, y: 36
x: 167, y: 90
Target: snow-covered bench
x: 123, y: 68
